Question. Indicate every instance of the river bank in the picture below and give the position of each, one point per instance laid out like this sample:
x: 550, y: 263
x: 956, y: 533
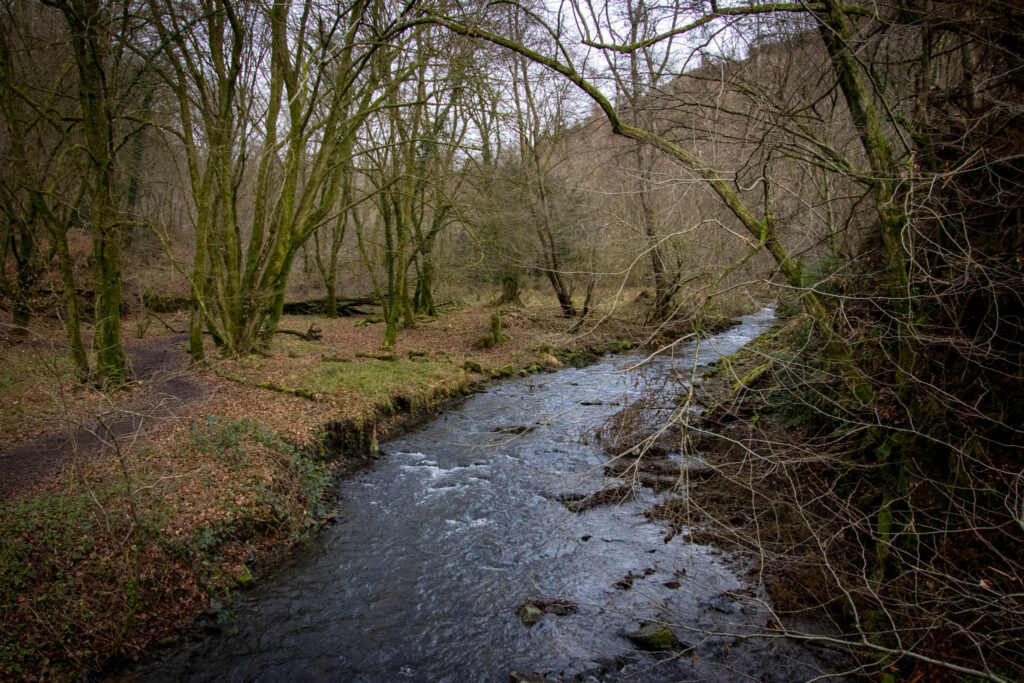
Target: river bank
x: 478, y: 549
x: 125, y: 545
x: 731, y: 455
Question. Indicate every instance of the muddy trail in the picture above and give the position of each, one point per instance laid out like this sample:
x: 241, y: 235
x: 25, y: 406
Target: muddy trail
x: 469, y: 553
x: 161, y: 365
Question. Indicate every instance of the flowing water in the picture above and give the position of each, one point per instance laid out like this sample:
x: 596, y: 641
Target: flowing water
x: 440, y: 542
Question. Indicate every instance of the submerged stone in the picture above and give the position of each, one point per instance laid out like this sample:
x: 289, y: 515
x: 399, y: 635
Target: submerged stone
x: 244, y: 578
x: 654, y: 637
x: 530, y: 614
x: 561, y: 610
x: 531, y: 611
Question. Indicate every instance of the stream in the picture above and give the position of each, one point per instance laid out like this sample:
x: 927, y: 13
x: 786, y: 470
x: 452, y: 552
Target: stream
x: 439, y: 543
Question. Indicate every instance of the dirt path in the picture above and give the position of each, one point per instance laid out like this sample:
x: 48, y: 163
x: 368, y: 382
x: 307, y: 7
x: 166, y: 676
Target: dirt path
x: 161, y: 364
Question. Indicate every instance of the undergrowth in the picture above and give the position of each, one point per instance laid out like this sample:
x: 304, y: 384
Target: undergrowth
x: 115, y: 559
x: 797, y: 477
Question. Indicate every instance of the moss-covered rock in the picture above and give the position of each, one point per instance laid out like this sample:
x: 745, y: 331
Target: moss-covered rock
x: 495, y: 336
x: 529, y: 614
x: 244, y: 578
x: 654, y: 637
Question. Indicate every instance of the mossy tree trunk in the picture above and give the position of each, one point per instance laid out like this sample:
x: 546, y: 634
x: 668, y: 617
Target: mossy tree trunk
x: 423, y: 254
x: 20, y: 241
x: 93, y: 50
x: 19, y: 244
x: 423, y: 296
x: 408, y: 170
x: 662, y: 305
x: 545, y: 206
x: 510, y: 287
x: 396, y: 243
x: 551, y: 249
x: 110, y: 356
x: 889, y: 199
x: 328, y: 265
x: 73, y: 317
x: 423, y: 257
x: 444, y: 128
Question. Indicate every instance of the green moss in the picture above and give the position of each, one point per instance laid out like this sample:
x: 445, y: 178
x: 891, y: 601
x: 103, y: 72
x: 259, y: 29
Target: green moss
x: 654, y: 637
x: 383, y: 385
x: 244, y: 578
x: 495, y: 336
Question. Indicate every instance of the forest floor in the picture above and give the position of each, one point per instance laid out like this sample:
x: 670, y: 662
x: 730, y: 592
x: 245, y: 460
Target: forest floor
x: 50, y: 421
x: 161, y: 389
x: 124, y: 513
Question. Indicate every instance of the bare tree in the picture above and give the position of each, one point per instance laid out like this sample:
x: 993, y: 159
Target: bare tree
x: 302, y: 134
